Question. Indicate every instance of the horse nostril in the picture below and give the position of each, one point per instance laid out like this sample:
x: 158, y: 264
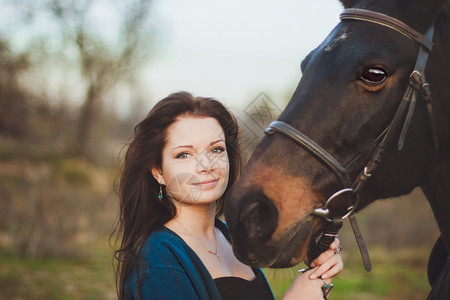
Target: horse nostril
x: 258, y: 219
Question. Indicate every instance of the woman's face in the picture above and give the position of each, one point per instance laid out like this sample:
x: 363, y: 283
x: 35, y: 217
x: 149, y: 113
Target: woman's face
x: 195, y: 164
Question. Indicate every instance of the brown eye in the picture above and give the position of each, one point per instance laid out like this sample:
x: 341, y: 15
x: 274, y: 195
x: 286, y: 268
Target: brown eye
x: 374, y: 75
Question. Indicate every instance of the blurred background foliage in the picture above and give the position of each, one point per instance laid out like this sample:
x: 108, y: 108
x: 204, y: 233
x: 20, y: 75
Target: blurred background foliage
x: 63, y: 74
x: 61, y: 131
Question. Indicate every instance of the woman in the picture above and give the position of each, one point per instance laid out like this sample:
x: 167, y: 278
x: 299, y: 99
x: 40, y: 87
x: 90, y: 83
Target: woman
x: 176, y: 172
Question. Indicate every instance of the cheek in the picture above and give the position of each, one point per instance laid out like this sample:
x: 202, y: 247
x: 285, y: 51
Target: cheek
x: 172, y: 168
x: 180, y: 190
x: 173, y: 176
x: 224, y: 164
x: 220, y: 164
x: 226, y: 174
x: 176, y: 174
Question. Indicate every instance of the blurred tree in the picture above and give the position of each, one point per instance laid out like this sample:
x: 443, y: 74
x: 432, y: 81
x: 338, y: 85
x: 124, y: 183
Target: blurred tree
x: 13, y: 109
x: 102, y: 64
x: 63, y: 63
x: 95, y: 45
x: 27, y: 119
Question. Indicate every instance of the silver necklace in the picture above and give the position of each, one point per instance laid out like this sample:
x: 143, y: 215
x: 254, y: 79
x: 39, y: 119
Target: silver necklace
x: 216, y: 253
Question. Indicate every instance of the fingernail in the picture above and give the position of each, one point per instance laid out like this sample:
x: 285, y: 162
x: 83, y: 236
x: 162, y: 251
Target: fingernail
x: 312, y: 276
x: 312, y: 265
x: 324, y: 276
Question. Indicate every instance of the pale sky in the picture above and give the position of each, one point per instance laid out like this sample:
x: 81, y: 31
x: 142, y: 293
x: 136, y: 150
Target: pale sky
x: 235, y: 49
x: 231, y: 50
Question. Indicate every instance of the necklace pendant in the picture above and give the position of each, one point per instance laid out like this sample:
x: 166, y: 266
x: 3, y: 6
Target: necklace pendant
x: 219, y: 258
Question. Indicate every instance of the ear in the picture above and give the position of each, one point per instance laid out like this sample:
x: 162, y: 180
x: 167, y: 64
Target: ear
x: 348, y: 3
x: 157, y: 174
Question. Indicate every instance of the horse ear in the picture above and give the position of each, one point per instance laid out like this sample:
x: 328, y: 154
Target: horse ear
x: 348, y: 3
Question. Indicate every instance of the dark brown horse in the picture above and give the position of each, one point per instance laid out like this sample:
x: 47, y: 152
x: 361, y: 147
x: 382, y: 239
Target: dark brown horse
x: 347, y: 129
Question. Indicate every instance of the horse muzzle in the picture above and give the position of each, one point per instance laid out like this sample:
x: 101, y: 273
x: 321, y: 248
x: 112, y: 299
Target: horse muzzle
x: 256, y: 241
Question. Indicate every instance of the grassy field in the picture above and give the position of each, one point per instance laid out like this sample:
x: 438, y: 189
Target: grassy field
x: 65, y: 279
x: 399, y: 275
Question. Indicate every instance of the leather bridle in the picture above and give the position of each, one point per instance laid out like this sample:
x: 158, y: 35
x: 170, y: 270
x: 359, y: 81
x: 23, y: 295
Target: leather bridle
x: 417, y: 83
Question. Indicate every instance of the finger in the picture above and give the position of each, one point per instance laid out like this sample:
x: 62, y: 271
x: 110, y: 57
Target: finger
x: 335, y: 244
x: 323, y: 257
x: 329, y: 268
x: 326, y: 288
x: 333, y: 270
x: 325, y: 281
x: 312, y: 273
x: 304, y: 288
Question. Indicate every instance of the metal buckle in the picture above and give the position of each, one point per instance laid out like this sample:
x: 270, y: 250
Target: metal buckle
x: 324, y: 211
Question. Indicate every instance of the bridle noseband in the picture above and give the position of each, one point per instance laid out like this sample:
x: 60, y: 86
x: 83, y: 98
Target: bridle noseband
x: 417, y: 83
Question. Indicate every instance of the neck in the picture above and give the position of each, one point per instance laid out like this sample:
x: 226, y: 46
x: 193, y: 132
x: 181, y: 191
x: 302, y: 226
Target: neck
x: 198, y: 220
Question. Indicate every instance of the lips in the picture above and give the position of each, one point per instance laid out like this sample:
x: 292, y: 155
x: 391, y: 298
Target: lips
x: 207, y: 184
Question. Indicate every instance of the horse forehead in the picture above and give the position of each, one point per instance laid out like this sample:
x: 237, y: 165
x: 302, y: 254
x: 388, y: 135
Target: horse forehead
x: 359, y: 36
x: 334, y: 40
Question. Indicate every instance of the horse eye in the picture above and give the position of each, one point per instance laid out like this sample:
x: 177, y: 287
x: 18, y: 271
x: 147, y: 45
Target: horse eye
x: 374, y: 75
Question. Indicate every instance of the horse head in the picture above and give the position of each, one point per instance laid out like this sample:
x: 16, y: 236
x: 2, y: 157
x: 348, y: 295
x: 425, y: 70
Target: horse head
x: 345, y: 106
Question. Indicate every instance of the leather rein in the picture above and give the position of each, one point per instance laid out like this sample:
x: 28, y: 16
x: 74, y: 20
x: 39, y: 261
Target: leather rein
x: 417, y: 83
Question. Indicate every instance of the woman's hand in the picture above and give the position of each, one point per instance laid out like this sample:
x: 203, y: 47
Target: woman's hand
x: 329, y: 263
x: 305, y: 288
x: 309, y: 284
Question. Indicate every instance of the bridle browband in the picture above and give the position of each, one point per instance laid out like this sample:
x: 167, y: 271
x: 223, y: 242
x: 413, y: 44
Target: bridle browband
x: 417, y: 83
x: 387, y: 21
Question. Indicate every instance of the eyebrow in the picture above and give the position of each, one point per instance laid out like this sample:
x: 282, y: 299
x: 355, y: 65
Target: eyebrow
x: 191, y: 146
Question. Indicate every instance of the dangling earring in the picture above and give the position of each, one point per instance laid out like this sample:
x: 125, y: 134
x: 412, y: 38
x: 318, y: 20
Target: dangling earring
x: 160, y: 195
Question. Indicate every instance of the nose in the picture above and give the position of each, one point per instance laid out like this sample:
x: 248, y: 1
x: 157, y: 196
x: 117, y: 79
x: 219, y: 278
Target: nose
x: 258, y: 219
x: 204, y: 165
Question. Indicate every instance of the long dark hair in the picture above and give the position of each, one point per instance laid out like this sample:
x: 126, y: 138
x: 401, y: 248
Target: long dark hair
x: 141, y: 212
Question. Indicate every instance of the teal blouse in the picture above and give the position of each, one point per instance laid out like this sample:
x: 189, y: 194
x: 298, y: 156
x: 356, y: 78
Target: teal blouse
x: 169, y: 269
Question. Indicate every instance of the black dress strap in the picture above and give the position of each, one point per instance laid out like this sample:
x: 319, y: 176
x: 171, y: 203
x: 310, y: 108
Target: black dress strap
x: 235, y: 288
